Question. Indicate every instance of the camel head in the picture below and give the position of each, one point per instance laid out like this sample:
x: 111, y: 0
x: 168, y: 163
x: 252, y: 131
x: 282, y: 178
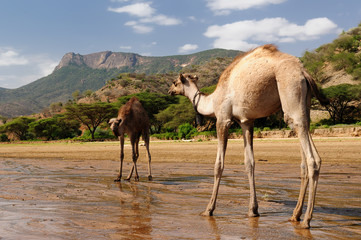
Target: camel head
x: 114, y: 126
x: 181, y: 84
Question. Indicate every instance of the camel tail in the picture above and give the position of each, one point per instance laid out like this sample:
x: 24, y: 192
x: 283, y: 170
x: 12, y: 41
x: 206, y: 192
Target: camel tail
x: 316, y: 91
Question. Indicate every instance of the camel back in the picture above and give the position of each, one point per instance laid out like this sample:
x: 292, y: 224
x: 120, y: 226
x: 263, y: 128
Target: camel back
x: 134, y: 111
x: 272, y: 51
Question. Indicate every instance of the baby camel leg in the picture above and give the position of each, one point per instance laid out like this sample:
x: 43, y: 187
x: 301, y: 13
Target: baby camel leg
x: 146, y: 142
x: 135, y: 154
x: 249, y: 164
x: 121, y: 139
x: 222, y: 135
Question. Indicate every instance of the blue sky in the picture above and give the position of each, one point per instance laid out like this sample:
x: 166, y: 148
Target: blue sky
x: 35, y: 34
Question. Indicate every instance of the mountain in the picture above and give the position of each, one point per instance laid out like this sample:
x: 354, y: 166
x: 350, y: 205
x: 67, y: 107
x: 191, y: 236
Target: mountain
x: 129, y: 83
x: 91, y: 72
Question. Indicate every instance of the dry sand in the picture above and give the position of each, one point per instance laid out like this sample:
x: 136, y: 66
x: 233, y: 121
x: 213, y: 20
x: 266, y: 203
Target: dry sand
x: 66, y: 191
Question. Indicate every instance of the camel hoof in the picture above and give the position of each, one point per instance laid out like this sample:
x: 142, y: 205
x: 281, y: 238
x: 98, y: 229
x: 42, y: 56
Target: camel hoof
x: 304, y: 225
x: 136, y: 179
x: 117, y: 179
x: 294, y: 219
x: 150, y: 178
x: 252, y: 214
x: 207, y: 213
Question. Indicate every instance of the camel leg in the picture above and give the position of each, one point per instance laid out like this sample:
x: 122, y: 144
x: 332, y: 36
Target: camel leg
x: 314, y: 167
x: 249, y: 163
x: 121, y: 139
x: 222, y: 135
x: 135, y: 154
x: 297, y: 212
x: 146, y: 142
x: 295, y: 100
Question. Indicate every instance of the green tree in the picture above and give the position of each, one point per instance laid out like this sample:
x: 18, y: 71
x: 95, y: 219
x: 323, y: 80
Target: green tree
x: 177, y: 114
x: 76, y: 95
x: 19, y: 127
x: 340, y: 97
x: 56, y: 127
x: 91, y: 115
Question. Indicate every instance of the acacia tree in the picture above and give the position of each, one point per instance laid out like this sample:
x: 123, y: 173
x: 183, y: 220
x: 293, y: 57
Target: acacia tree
x: 56, y: 127
x: 19, y: 127
x: 340, y: 98
x: 91, y: 115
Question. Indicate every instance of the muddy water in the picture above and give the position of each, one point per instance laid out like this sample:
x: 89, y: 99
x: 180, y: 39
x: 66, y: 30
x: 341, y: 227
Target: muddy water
x: 50, y: 199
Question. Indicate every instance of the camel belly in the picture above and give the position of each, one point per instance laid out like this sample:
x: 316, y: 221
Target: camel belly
x: 255, y: 99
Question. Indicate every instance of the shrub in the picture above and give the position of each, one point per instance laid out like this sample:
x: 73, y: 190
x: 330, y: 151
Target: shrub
x: 4, y: 138
x: 99, y: 134
x: 185, y: 131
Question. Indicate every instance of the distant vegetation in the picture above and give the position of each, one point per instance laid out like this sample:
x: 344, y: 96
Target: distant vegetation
x: 344, y: 53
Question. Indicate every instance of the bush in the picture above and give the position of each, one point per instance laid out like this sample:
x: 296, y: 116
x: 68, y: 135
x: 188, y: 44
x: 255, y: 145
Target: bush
x: 99, y: 134
x: 186, y: 131
x: 4, y: 138
x: 166, y: 136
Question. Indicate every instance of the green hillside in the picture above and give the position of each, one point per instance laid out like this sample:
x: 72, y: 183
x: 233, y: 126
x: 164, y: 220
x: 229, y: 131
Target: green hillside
x: 59, y: 86
x: 342, y: 58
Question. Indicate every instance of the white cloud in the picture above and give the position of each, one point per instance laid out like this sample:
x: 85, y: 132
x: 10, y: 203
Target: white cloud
x: 147, y: 16
x: 125, y: 47
x: 46, y: 66
x: 224, y: 7
x: 248, y: 34
x: 139, y: 28
x: 136, y: 9
x: 187, y: 48
x: 161, y: 20
x: 10, y: 57
x: 20, y: 69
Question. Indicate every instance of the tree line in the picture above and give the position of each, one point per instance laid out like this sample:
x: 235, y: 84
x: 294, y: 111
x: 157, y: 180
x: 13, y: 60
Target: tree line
x: 170, y: 117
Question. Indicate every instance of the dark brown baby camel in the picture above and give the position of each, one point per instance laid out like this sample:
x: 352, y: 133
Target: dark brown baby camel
x: 256, y: 85
x: 133, y: 120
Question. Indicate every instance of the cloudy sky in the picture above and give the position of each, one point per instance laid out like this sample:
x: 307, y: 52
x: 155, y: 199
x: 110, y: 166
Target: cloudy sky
x: 35, y: 34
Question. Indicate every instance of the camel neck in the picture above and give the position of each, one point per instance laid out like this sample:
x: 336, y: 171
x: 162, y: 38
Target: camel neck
x: 202, y: 103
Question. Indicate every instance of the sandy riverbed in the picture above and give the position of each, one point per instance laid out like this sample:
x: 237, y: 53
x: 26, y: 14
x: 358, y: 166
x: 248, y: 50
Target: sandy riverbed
x: 66, y: 191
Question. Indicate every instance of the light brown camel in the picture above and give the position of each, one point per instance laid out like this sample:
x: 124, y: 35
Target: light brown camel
x: 256, y: 85
x: 133, y: 120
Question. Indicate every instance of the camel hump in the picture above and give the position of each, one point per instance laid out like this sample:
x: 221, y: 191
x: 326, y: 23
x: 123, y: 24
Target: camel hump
x: 270, y: 48
x: 127, y: 107
x: 314, y: 88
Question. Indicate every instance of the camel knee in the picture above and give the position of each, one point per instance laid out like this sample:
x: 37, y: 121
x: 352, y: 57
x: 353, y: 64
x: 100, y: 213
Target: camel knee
x: 304, y: 170
x: 313, y: 169
x: 218, y: 169
x: 249, y: 165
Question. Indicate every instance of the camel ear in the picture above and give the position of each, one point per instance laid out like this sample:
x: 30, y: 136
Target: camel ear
x: 182, y: 78
x: 115, y: 121
x: 193, y: 78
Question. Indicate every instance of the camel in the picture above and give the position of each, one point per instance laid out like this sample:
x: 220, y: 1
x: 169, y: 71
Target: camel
x: 133, y: 120
x: 255, y: 85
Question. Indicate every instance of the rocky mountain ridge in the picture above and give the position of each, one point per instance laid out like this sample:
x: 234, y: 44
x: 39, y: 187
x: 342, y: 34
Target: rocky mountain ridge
x: 106, y: 59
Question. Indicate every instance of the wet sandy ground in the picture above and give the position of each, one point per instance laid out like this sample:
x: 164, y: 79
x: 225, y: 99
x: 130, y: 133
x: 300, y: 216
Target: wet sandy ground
x: 48, y: 198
